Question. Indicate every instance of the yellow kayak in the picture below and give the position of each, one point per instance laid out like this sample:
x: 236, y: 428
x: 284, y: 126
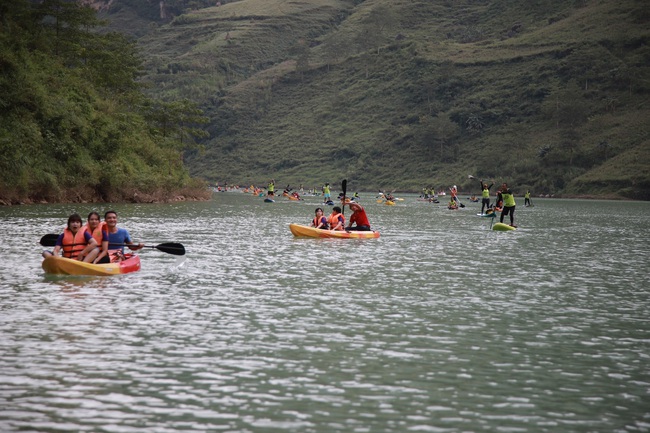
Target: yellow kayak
x: 311, y: 232
x: 62, y: 266
x: 390, y: 203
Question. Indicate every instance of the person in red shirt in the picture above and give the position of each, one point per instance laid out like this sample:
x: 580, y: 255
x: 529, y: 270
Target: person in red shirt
x: 358, y: 217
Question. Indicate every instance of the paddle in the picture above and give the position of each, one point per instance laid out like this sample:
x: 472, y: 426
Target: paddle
x: 174, y: 248
x: 344, y: 187
x: 49, y: 240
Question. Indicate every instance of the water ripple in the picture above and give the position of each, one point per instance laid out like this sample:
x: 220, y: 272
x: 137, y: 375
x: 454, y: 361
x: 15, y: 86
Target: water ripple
x: 440, y: 325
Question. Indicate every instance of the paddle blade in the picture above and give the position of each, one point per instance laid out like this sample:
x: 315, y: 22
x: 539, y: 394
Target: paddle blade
x: 49, y: 240
x: 344, y: 188
x: 172, y: 248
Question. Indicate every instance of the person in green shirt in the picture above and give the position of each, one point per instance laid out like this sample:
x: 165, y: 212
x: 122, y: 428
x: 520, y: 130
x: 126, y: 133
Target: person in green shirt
x: 485, y: 194
x: 327, y: 193
x: 509, y: 204
x: 527, y: 198
x: 271, y: 188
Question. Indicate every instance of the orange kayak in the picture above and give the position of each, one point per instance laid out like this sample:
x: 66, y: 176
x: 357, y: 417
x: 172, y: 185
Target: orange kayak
x: 311, y: 232
x: 62, y: 266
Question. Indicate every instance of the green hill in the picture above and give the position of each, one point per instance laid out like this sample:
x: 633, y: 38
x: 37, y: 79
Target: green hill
x: 548, y: 95
x: 74, y: 122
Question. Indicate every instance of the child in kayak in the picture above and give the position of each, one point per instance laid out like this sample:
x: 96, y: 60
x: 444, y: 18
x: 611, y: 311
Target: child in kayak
x: 319, y: 221
x: 336, y: 219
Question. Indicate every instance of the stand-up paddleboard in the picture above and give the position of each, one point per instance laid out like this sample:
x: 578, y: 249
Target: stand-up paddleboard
x: 269, y: 200
x: 501, y: 227
x: 487, y: 215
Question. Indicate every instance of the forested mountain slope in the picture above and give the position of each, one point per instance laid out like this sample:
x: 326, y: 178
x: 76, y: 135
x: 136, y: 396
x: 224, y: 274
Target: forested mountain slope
x: 74, y: 123
x: 550, y: 95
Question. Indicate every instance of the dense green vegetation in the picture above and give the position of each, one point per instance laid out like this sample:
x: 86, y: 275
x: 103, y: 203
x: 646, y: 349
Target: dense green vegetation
x: 549, y: 95
x: 74, y: 123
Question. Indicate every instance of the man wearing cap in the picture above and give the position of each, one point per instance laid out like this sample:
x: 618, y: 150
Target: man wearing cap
x: 358, y: 217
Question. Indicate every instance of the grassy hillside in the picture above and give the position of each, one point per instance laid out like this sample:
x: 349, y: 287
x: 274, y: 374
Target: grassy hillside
x: 550, y: 95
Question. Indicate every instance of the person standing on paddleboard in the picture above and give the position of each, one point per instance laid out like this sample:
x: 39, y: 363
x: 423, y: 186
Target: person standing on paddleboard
x: 485, y: 193
x: 270, y: 190
x: 454, y: 194
x: 505, y: 194
x: 327, y: 197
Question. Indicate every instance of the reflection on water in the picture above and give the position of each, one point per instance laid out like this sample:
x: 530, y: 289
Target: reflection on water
x: 439, y: 325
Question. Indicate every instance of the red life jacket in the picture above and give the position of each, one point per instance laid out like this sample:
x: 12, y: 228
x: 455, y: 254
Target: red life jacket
x: 73, y: 244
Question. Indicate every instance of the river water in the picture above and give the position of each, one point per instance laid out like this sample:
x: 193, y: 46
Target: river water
x: 440, y: 325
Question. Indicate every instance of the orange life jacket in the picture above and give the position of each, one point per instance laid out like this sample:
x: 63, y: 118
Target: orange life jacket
x: 97, y: 234
x: 73, y: 244
x: 334, y: 220
x: 316, y: 221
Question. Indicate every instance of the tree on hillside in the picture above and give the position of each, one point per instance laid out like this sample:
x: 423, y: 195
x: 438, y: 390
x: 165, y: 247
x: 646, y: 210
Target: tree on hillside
x: 570, y: 141
x: 567, y: 107
x: 439, y: 130
x: 378, y: 25
x: 70, y: 107
x: 70, y: 25
x: 300, y: 52
x: 334, y: 49
x: 374, y: 33
x: 177, y: 122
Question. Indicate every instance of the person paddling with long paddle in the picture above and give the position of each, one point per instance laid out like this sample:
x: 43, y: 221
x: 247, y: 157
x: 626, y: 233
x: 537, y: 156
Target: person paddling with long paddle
x: 358, y: 216
x: 118, y: 238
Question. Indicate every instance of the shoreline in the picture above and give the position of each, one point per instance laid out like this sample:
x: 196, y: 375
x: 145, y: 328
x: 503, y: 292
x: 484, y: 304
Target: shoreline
x: 185, y: 194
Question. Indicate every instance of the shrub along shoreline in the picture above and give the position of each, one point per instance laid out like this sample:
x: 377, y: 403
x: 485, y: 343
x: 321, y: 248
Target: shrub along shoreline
x: 80, y: 195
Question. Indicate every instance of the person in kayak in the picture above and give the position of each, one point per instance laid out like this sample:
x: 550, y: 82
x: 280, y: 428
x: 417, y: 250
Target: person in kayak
x: 505, y: 195
x: 358, y: 217
x: 75, y: 243
x: 117, y: 238
x: 319, y: 221
x: 485, y: 193
x: 336, y: 219
x: 97, y: 230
